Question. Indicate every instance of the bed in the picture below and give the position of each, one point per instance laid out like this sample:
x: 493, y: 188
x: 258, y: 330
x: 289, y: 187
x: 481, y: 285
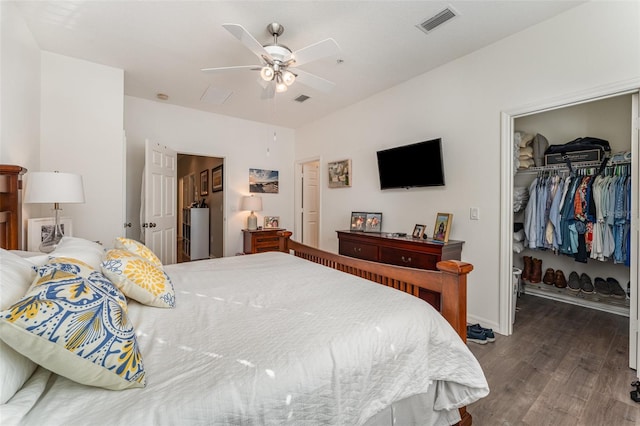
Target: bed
x: 274, y: 338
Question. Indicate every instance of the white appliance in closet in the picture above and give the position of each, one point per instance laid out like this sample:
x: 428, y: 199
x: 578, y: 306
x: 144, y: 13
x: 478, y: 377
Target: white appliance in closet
x: 615, y: 119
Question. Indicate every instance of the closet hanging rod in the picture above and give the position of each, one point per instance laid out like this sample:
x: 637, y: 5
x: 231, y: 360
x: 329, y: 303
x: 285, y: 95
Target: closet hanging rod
x: 582, y: 165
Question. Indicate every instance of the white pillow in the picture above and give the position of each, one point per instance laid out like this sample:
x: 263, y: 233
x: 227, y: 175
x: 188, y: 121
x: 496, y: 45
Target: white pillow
x: 87, y: 251
x: 16, y: 275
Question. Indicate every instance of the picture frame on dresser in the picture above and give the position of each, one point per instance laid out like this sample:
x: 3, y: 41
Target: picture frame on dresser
x: 442, y: 227
x: 374, y: 222
x: 40, y: 228
x: 358, y: 221
x: 418, y: 231
x: 271, y: 222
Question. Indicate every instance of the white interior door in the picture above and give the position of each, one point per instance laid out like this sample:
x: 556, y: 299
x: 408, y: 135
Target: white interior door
x: 159, y: 225
x: 310, y: 203
x: 634, y: 314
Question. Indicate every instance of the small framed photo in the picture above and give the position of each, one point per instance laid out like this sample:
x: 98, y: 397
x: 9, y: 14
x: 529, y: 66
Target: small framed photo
x: 39, y: 229
x: 374, y: 222
x: 271, y: 222
x: 204, y: 182
x: 216, y: 179
x: 358, y: 221
x: 418, y: 231
x: 442, y: 227
x: 340, y: 174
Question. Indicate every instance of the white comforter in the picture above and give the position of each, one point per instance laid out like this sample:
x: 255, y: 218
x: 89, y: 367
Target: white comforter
x: 273, y: 339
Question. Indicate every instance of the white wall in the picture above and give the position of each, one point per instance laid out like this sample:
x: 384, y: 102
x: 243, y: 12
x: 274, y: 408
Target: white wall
x: 243, y: 145
x: 589, y: 46
x: 19, y: 94
x: 82, y: 132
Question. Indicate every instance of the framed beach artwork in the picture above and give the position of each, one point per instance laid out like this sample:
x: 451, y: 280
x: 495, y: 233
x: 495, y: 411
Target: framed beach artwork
x: 216, y: 178
x: 263, y: 181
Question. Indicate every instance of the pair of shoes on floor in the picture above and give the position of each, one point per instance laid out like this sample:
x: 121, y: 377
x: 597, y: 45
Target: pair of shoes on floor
x: 556, y: 278
x: 609, y: 287
x: 479, y: 334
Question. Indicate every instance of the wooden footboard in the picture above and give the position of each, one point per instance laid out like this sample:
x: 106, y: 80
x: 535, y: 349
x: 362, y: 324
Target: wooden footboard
x: 449, y: 282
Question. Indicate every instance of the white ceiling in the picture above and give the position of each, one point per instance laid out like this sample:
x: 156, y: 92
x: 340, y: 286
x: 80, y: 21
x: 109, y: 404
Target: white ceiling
x: 162, y: 45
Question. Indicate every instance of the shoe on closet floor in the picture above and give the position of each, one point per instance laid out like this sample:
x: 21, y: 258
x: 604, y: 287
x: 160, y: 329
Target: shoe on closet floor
x: 616, y: 289
x: 476, y: 336
x: 560, y: 281
x: 602, y: 287
x: 585, y: 283
x: 536, y: 271
x: 491, y: 337
x: 574, y: 281
x: 549, y: 276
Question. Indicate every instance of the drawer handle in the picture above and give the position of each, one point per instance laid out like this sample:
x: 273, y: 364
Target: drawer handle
x: 406, y: 260
x: 357, y: 249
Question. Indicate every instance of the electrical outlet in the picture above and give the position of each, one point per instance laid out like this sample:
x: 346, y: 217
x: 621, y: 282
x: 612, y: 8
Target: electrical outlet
x: 474, y: 213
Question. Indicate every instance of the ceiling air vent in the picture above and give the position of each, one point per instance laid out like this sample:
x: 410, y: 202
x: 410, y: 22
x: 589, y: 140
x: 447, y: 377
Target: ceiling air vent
x: 437, y: 20
x: 301, y: 98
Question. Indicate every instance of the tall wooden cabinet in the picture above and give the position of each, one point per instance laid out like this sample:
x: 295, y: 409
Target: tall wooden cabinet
x: 10, y: 205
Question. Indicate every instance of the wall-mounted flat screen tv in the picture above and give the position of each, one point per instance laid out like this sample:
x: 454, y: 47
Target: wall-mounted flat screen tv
x: 408, y: 166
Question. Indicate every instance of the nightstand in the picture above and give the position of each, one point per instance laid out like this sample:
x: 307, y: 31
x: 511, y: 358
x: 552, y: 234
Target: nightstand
x: 261, y: 240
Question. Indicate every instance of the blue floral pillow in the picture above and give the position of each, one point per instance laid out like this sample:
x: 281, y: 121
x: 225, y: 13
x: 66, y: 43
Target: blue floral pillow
x: 75, y: 325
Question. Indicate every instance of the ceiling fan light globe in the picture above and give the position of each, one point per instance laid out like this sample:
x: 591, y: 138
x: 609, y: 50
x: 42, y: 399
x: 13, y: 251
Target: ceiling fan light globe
x: 267, y: 73
x: 281, y: 87
x: 288, y: 77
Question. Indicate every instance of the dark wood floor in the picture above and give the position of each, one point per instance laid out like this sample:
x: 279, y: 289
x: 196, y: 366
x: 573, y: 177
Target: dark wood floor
x: 563, y: 365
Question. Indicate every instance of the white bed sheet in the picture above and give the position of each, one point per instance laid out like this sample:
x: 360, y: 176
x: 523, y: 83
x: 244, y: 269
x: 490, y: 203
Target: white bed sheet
x: 273, y: 339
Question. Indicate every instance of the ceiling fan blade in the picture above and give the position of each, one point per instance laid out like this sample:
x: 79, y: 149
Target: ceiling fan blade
x: 239, y: 32
x: 269, y: 91
x: 315, y: 51
x: 240, y: 67
x: 313, y: 81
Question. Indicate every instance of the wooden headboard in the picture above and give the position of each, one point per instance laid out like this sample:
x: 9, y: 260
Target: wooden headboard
x: 10, y: 206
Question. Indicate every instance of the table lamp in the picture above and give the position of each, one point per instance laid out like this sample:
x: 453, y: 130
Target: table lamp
x: 255, y: 205
x: 56, y: 188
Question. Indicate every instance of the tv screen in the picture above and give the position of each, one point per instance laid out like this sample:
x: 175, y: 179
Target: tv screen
x: 408, y: 166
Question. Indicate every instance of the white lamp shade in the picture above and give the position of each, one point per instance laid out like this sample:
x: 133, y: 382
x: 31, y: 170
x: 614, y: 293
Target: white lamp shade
x: 252, y: 203
x: 53, y: 187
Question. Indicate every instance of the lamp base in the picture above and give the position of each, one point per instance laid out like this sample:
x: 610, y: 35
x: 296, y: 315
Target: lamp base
x: 252, y: 222
x: 52, y: 239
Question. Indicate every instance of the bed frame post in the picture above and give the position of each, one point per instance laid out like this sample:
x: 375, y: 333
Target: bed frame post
x: 455, y: 288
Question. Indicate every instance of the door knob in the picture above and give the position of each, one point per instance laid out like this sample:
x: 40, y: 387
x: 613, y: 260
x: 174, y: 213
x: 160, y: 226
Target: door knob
x: 145, y: 225
x: 127, y: 225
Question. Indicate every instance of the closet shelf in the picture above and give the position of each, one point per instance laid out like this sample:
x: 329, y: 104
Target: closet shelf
x: 581, y: 165
x: 593, y: 301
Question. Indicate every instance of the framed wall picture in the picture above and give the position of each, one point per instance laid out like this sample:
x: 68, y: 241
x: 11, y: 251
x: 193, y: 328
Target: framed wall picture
x: 216, y: 179
x: 204, y: 182
x: 442, y: 227
x: 271, y: 222
x: 41, y: 228
x: 340, y: 174
x: 263, y: 181
x: 418, y: 231
x: 358, y: 221
x: 374, y: 222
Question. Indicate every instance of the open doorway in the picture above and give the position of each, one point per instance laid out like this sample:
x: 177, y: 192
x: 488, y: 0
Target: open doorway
x: 200, y: 186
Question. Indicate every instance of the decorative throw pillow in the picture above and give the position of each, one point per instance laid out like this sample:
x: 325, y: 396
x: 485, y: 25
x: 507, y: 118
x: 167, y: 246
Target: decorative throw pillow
x: 87, y: 251
x: 139, y: 279
x: 138, y: 249
x: 16, y: 274
x: 60, y: 269
x: 76, y: 327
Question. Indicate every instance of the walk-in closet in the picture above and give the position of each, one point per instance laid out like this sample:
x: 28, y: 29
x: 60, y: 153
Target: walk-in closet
x: 596, y: 256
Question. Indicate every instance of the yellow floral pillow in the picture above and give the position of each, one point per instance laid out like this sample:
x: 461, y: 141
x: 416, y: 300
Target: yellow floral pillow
x: 139, y: 279
x: 138, y: 249
x: 76, y: 327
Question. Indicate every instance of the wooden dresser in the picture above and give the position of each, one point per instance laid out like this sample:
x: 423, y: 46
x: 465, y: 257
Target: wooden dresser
x: 261, y: 240
x: 402, y: 251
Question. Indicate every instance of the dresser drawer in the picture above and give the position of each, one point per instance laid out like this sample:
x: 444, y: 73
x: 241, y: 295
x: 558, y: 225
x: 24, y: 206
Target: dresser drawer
x: 359, y: 250
x: 408, y: 258
x: 266, y: 243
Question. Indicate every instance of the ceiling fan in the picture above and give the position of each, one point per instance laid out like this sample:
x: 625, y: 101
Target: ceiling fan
x: 279, y: 64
